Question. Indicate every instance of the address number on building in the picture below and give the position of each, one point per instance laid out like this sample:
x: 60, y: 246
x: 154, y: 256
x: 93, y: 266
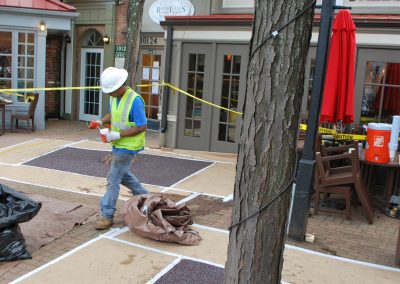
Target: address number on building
x: 150, y: 40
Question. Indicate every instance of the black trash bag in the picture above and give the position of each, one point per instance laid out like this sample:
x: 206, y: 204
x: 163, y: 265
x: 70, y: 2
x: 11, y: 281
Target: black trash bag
x: 15, y: 208
x: 12, y: 244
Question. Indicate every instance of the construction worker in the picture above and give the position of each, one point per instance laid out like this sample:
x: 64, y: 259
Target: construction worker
x: 127, y: 136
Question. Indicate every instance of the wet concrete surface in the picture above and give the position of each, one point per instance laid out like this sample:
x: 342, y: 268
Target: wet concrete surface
x: 151, y: 169
x: 193, y: 272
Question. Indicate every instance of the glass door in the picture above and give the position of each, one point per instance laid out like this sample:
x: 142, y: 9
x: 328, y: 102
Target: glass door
x: 230, y: 81
x: 90, y: 99
x: 194, y: 116
x: 150, y: 69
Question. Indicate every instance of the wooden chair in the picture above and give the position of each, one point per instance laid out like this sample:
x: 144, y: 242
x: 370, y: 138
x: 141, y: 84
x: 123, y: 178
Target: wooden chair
x: 344, y: 190
x: 338, y: 165
x: 28, y: 116
x: 341, y: 177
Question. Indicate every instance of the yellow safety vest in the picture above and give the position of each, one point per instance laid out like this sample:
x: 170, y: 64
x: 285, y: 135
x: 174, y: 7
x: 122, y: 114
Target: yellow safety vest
x: 120, y: 121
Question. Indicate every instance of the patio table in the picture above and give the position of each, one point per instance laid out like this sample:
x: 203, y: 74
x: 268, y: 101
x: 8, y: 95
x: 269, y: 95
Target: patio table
x: 392, y: 168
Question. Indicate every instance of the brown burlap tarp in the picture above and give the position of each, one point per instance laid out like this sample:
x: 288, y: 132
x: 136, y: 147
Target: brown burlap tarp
x: 156, y: 217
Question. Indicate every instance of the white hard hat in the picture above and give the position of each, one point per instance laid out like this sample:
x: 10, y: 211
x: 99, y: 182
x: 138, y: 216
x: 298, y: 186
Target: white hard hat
x: 112, y: 79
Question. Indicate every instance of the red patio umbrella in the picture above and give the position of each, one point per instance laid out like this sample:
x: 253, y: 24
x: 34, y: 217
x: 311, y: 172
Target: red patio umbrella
x: 338, y: 100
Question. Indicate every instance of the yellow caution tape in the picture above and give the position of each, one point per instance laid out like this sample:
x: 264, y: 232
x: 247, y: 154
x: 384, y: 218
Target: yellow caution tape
x: 98, y: 87
x: 321, y: 130
x: 348, y: 137
x: 190, y: 95
x: 26, y: 97
x: 48, y: 89
x: 334, y: 134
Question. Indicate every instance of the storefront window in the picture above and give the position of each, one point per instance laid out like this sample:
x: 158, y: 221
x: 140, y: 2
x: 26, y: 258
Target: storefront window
x: 26, y: 54
x: 17, y: 62
x: 5, y: 61
x: 381, y: 98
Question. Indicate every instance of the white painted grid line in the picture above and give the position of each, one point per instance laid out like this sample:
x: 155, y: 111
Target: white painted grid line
x: 167, y: 155
x: 51, y: 187
x: 228, y: 198
x: 44, y: 154
x: 90, y: 149
x: 61, y: 171
x: 343, y: 259
x: 19, y: 144
x: 164, y: 252
x: 164, y: 271
x: 188, y: 157
x: 23, y: 277
x: 166, y: 189
x: 210, y: 228
x: 195, y: 173
x: 190, y: 197
x: 118, y: 232
x: 94, y: 194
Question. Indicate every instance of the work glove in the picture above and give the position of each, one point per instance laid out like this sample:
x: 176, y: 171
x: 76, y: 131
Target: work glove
x: 112, y: 136
x: 95, y: 124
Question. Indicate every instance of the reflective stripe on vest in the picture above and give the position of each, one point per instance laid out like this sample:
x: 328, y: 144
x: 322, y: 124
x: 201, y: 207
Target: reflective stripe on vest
x: 122, y: 125
x: 120, y: 121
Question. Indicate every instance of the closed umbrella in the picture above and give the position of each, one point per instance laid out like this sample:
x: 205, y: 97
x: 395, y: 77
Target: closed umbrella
x: 338, y: 100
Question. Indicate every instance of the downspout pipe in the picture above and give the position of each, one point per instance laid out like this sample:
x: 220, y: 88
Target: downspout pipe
x: 167, y: 78
x: 63, y: 65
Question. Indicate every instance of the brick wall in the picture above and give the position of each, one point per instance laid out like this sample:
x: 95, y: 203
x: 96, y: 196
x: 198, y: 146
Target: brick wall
x: 121, y: 23
x: 53, y: 75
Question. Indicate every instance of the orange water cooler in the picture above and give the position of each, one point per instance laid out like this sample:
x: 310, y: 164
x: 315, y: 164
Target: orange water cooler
x: 378, y: 137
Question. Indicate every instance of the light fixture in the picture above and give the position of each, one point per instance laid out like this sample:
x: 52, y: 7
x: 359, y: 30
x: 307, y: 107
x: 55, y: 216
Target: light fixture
x: 67, y: 39
x: 106, y: 39
x: 42, y: 26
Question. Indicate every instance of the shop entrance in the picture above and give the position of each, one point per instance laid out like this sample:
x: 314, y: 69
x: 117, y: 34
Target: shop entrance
x: 215, y: 73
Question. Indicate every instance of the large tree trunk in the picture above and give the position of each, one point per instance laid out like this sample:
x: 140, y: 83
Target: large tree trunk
x: 267, y: 148
x: 134, y: 23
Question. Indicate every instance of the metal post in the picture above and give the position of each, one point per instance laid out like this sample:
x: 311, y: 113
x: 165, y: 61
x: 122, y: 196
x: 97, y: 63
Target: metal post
x: 305, y: 175
x: 167, y: 78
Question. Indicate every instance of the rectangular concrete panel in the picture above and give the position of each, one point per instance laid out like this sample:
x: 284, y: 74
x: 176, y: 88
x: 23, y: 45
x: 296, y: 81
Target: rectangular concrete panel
x: 104, y: 261
x: 63, y: 180
x: 150, y: 169
x: 212, y: 247
x: 302, y: 267
x: 218, y: 179
x: 21, y: 153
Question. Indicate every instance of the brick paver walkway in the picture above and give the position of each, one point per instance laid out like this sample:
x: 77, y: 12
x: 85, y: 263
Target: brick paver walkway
x: 334, y: 235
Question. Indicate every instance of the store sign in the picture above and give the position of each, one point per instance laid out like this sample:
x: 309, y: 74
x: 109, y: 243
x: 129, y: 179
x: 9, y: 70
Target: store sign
x: 151, y: 40
x: 162, y: 8
x: 120, y: 51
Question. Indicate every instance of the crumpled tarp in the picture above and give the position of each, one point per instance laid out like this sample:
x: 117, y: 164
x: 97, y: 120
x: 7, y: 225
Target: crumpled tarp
x: 158, y: 218
x: 56, y: 217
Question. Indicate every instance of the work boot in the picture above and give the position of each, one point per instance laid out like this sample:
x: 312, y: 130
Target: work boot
x: 103, y: 223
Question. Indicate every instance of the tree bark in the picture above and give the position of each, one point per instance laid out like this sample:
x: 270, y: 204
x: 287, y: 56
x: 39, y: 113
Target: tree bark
x: 134, y: 23
x: 267, y: 147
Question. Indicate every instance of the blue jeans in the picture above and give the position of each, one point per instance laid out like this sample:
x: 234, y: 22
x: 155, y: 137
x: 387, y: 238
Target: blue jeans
x: 120, y: 173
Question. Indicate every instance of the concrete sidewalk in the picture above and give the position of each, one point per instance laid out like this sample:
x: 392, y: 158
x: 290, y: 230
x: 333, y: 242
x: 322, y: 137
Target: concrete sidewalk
x: 85, y: 255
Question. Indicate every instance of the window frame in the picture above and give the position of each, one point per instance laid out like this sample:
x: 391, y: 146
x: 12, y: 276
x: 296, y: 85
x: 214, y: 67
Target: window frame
x: 14, y: 62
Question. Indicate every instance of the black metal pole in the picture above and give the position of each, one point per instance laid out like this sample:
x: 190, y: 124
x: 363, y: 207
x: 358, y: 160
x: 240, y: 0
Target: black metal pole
x: 167, y: 78
x: 305, y: 175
